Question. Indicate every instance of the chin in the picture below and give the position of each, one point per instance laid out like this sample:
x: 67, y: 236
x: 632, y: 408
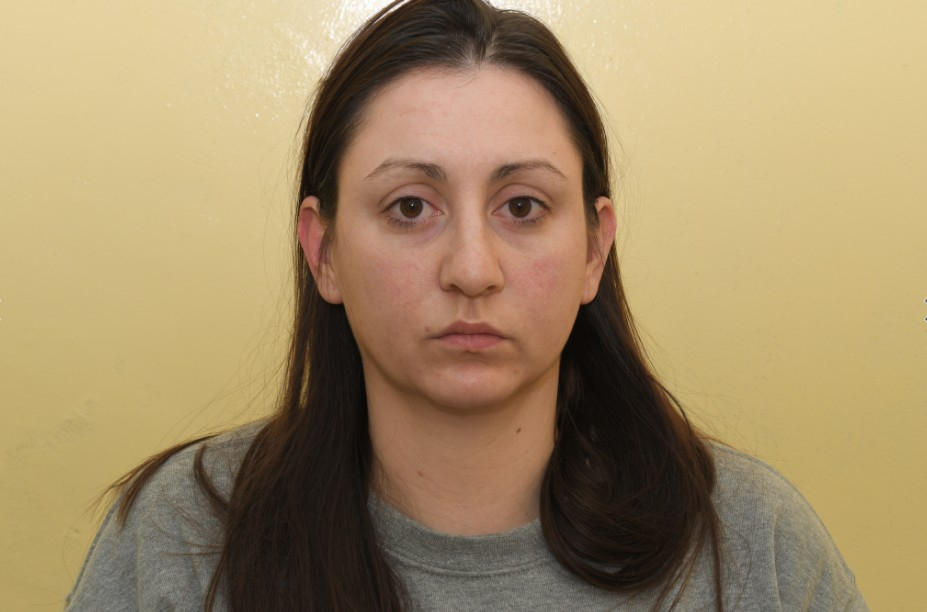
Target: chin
x: 477, y: 395
x: 470, y: 404
x: 486, y: 388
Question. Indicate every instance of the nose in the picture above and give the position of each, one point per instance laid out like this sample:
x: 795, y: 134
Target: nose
x: 471, y: 264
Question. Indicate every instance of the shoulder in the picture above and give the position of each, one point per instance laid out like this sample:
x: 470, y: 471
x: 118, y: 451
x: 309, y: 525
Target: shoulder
x: 776, y: 546
x: 175, y: 493
x: 747, y: 485
x: 221, y: 456
x: 751, y: 495
x: 164, y: 555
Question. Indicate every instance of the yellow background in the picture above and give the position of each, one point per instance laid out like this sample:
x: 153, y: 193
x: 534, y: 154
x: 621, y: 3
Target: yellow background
x: 773, y: 195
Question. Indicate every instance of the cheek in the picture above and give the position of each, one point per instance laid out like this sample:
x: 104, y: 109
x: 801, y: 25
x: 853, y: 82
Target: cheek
x: 381, y: 289
x: 557, y: 273
x: 548, y: 277
x: 552, y: 286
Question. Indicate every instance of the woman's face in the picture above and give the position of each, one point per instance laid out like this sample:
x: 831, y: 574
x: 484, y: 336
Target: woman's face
x: 460, y: 250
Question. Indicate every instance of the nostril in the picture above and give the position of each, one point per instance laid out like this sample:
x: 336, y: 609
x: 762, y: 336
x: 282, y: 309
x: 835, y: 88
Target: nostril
x: 472, y: 267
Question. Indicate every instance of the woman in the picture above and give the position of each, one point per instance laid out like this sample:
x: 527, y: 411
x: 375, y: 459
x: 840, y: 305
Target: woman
x: 468, y: 421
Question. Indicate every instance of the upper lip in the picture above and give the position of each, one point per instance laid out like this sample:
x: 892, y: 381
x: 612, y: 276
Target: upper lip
x: 469, y: 329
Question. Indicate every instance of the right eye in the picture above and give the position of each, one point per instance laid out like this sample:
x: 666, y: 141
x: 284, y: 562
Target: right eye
x: 409, y: 211
x: 410, y: 208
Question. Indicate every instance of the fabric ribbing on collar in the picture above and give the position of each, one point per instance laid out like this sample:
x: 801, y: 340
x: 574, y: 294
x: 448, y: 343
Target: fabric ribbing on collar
x: 415, y: 544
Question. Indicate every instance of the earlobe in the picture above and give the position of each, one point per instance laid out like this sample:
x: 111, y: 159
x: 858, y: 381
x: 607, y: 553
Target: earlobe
x: 600, y: 245
x: 311, y: 231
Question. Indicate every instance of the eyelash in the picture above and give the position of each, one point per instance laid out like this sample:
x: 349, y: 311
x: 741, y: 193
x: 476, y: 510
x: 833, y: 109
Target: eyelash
x: 402, y: 222
x: 535, y: 203
x: 407, y: 223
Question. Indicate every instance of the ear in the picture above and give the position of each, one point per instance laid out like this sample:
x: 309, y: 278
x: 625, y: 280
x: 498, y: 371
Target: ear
x: 600, y: 243
x: 317, y: 250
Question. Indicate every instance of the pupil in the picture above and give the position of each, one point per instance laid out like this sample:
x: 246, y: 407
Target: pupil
x: 410, y: 207
x: 520, y: 207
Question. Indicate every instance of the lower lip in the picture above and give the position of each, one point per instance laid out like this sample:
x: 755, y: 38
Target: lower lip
x: 471, y: 342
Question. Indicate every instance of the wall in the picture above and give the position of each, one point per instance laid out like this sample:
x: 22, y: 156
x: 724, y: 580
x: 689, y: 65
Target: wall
x: 773, y: 206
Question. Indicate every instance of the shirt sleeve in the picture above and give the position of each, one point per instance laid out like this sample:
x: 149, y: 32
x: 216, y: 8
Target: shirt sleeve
x: 161, y: 558
x: 780, y: 555
x: 811, y: 573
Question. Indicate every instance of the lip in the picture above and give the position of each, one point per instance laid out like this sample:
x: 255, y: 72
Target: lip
x: 463, y: 335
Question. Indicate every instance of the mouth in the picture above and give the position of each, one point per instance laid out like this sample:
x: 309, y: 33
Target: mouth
x: 472, y: 337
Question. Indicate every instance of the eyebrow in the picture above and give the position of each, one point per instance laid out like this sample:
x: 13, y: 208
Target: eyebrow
x: 527, y: 165
x: 430, y: 170
x: 436, y: 172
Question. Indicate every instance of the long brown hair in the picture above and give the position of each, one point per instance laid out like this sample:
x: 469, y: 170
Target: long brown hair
x: 626, y: 497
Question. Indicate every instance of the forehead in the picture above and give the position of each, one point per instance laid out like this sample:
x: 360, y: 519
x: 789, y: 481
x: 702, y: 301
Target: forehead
x: 462, y: 118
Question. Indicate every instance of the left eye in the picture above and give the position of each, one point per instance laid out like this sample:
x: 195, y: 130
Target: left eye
x: 520, y: 207
x: 523, y: 209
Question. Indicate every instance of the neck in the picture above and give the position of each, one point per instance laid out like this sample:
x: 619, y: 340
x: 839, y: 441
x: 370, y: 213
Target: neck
x: 464, y: 473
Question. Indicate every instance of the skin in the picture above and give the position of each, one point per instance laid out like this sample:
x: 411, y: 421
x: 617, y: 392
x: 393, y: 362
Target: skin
x: 461, y: 254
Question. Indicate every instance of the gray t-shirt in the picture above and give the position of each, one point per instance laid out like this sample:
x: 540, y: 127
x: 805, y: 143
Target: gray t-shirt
x: 777, y: 554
